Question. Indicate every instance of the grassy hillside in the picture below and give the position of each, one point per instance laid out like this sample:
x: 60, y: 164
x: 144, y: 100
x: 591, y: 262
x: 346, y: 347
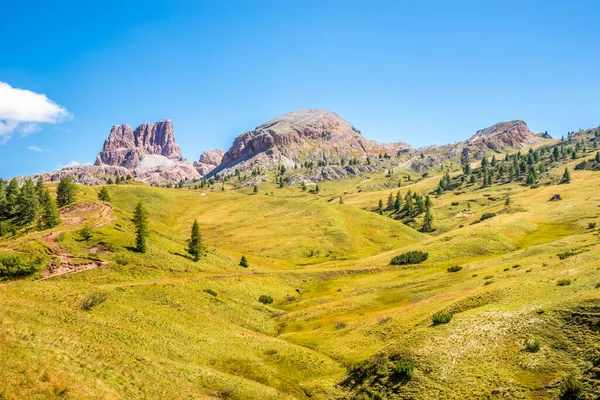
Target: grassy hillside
x: 168, y: 327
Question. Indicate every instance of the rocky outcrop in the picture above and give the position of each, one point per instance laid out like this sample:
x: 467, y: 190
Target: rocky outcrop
x: 208, y: 161
x: 307, y: 135
x: 128, y: 148
x: 513, y: 134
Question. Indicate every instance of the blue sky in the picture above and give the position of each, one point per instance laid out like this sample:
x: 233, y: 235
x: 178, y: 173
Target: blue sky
x: 422, y: 72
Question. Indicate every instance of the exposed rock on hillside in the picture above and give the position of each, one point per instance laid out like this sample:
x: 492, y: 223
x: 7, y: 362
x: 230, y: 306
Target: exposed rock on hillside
x: 129, y: 148
x: 514, y: 134
x: 208, y: 161
x: 299, y: 136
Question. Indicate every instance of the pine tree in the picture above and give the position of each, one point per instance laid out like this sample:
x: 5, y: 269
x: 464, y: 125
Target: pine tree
x: 244, y: 262
x: 303, y: 186
x: 49, y: 211
x: 380, y: 207
x: 597, y: 156
x: 12, y: 192
x: 109, y: 181
x: 140, y: 220
x: 507, y: 201
x: 341, y: 200
x: 398, y: 202
x: 103, y: 194
x: 566, y: 178
x: 39, y: 188
x: 427, y: 222
x: 195, y: 246
x: 317, y: 189
x: 65, y: 193
x: 28, y: 206
x: 2, y: 198
x: 390, y: 202
x: 255, y: 189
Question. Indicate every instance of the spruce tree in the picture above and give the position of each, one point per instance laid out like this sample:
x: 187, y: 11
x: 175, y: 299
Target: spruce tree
x: 103, y: 194
x: 255, y: 189
x: 390, y: 202
x: 49, y: 211
x: 427, y: 222
x: 566, y: 178
x: 195, y: 247
x: 140, y: 220
x: 12, y: 192
x: 28, y: 206
x: 380, y: 207
x: 65, y: 193
x: 2, y: 198
x: 244, y: 262
x: 398, y: 202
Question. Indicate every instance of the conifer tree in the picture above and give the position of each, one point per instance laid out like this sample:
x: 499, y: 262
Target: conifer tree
x: 12, y: 192
x: 380, y: 207
x: 566, y: 178
x: 49, y: 212
x: 244, y: 262
x: 65, y: 193
x: 341, y: 200
x: 398, y: 202
x: 255, y: 189
x: 103, y: 194
x: 2, y: 197
x: 27, y: 203
x: 140, y: 220
x: 390, y: 202
x: 427, y: 222
x: 195, y: 246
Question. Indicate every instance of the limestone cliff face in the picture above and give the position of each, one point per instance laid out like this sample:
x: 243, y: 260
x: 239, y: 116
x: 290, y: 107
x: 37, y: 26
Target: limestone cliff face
x: 208, y: 161
x: 307, y: 135
x: 127, y: 148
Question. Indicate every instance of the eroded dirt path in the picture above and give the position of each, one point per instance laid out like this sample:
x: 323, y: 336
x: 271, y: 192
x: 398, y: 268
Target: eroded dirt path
x: 62, y: 263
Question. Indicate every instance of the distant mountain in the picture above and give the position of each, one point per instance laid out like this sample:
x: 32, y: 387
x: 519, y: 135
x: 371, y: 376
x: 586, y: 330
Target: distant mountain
x: 149, y: 145
x: 302, y: 136
x: 317, y: 144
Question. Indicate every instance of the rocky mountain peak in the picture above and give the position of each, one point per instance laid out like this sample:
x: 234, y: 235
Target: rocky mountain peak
x: 305, y: 135
x: 515, y: 134
x: 127, y: 148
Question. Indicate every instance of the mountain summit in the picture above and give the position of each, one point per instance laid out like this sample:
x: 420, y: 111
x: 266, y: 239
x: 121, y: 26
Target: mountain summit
x: 299, y: 136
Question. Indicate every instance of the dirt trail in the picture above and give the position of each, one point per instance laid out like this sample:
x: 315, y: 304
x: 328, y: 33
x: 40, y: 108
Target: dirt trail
x: 62, y: 262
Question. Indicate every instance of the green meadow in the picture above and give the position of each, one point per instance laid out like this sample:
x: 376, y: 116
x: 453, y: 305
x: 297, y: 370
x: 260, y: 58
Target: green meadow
x: 168, y: 327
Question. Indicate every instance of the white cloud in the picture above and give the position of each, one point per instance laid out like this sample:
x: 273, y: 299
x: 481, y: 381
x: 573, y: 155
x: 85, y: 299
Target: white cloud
x: 35, y: 148
x: 22, y: 110
x: 71, y: 164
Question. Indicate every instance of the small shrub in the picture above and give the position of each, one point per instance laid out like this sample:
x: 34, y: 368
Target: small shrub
x: 86, y: 233
x: 244, y: 262
x: 93, y: 299
x: 454, y: 269
x: 529, y: 270
x: 532, y: 345
x: 488, y: 282
x: 563, y: 282
x: 474, y: 275
x: 211, y: 292
x: 488, y: 277
x: 591, y: 225
x: 265, y: 299
x: 487, y: 216
x: 405, y: 369
x: 571, y: 389
x: 566, y: 254
x: 15, y: 266
x: 517, y: 266
x: 506, y: 269
x: 270, y: 352
x: 340, y: 325
x: 411, y: 257
x: 455, y: 203
x: 441, y: 317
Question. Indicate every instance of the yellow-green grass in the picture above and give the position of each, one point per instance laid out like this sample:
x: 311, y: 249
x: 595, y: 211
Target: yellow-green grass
x: 159, y: 335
